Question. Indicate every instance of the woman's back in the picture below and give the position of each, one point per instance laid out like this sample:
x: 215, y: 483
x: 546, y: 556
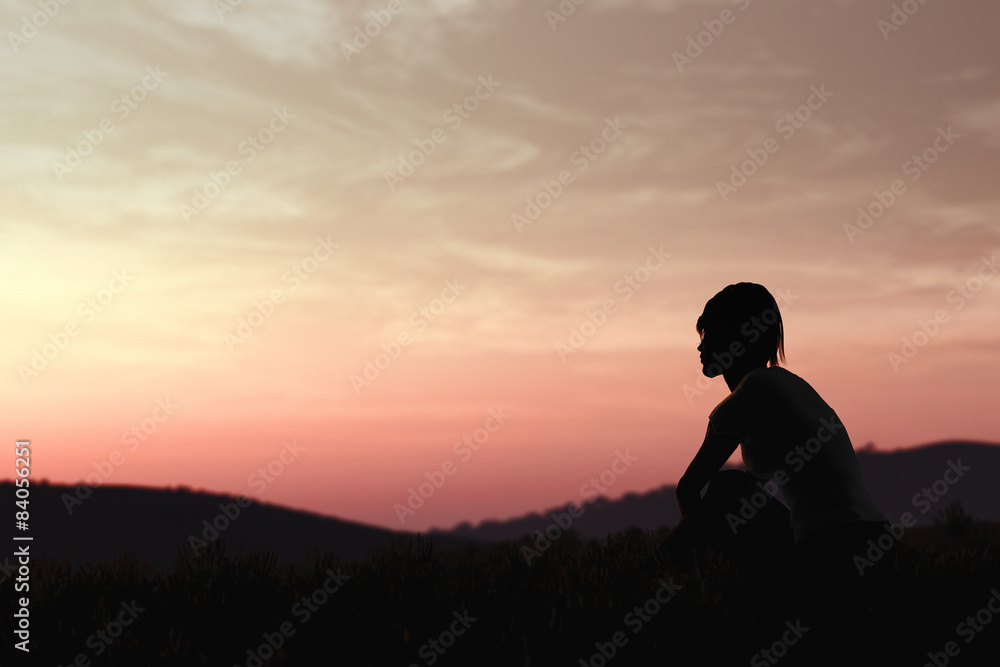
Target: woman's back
x: 790, y: 435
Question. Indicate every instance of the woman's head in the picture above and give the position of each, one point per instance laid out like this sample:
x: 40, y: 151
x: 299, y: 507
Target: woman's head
x: 747, y: 314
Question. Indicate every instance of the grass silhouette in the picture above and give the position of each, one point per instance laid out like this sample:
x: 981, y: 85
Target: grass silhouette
x: 403, y: 606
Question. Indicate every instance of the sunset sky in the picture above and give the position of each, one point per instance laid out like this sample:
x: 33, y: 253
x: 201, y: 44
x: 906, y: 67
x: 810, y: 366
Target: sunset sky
x: 234, y: 227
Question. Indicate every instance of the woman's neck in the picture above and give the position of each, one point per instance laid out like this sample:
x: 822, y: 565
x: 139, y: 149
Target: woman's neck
x: 735, y: 375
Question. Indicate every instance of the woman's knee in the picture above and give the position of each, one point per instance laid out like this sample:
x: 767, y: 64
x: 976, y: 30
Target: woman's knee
x: 738, y: 496
x: 731, y: 484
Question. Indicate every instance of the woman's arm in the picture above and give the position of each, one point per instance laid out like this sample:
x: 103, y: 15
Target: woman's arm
x: 714, y: 452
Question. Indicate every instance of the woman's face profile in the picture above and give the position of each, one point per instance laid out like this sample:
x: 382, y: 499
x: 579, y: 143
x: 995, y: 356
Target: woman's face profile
x: 740, y: 330
x: 710, y: 353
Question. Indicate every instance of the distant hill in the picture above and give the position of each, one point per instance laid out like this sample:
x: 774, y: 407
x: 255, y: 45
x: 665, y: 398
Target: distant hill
x: 155, y: 523
x: 891, y: 477
x: 894, y: 478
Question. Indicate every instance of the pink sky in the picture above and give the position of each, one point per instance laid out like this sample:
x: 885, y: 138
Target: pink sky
x: 251, y: 163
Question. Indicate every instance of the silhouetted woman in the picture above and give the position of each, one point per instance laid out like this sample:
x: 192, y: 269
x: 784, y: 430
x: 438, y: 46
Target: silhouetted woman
x: 794, y: 443
x: 790, y: 440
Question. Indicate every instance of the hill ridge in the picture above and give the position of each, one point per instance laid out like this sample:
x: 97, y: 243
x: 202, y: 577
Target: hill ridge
x: 155, y: 523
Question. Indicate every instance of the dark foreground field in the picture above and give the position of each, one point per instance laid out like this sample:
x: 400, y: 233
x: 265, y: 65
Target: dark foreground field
x: 589, y: 603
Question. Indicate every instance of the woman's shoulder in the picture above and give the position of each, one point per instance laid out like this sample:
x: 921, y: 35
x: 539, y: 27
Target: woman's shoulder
x: 795, y: 394
x: 771, y: 376
x: 778, y: 375
x: 780, y: 386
